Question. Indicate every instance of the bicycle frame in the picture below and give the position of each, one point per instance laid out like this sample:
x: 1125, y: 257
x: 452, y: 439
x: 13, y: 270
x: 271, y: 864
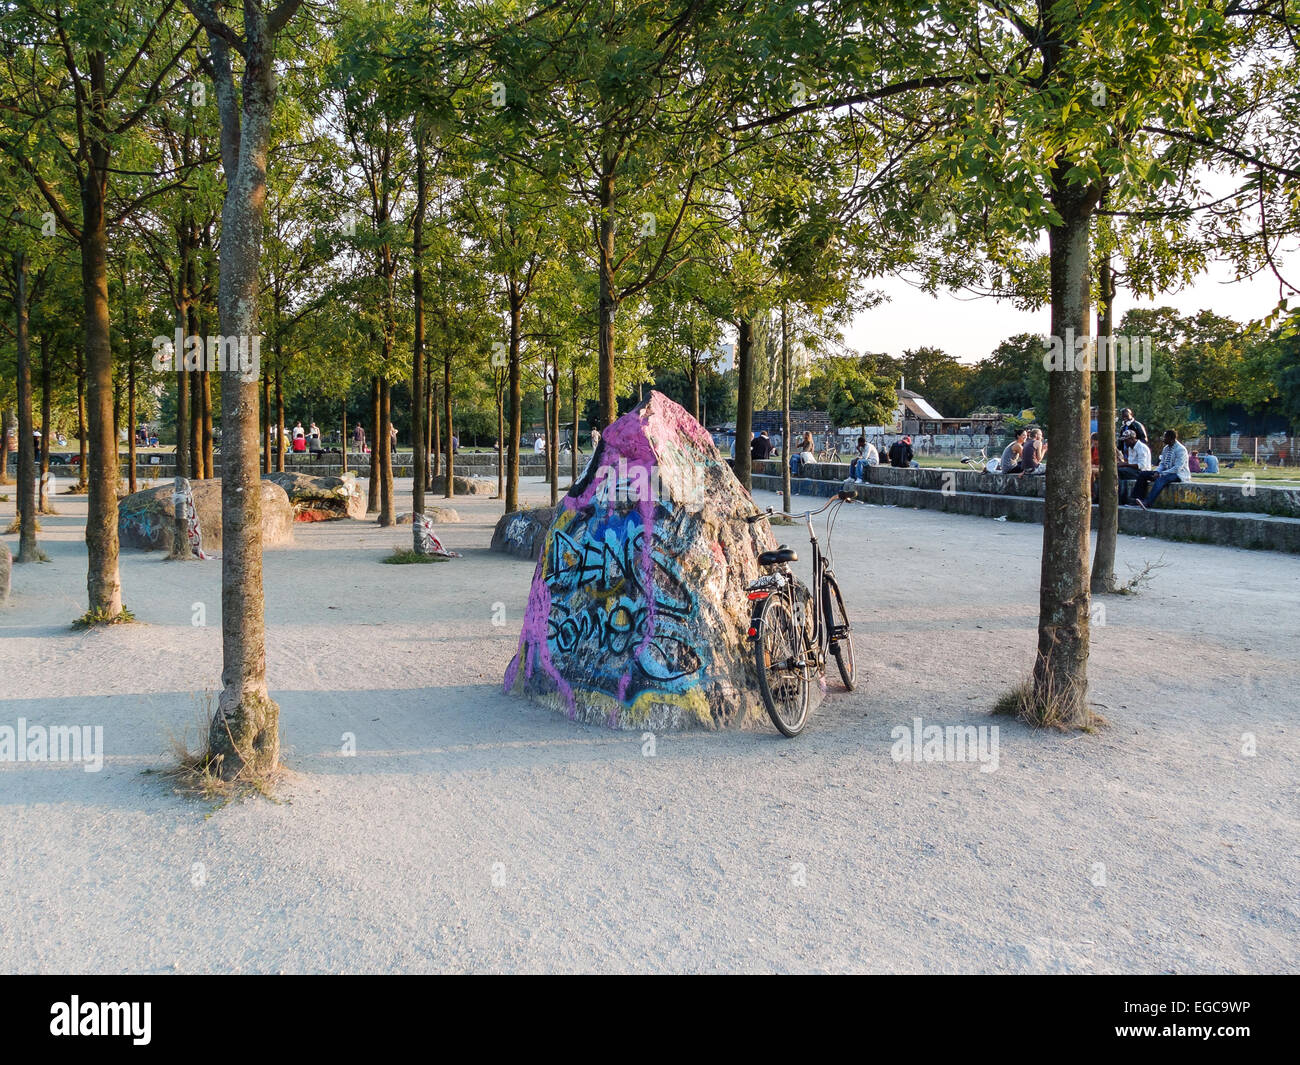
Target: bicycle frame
x: 762, y: 587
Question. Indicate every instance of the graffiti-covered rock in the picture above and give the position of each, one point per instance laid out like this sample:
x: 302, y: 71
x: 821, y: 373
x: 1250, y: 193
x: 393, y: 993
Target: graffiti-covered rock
x: 145, y: 519
x: 523, y: 532
x: 321, y: 498
x: 637, y: 613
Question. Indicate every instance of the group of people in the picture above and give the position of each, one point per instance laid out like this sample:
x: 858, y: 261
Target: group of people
x: 1140, y: 482
x: 1025, y: 454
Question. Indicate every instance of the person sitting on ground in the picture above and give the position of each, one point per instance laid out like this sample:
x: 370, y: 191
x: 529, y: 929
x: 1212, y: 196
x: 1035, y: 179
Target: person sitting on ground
x: 1210, y: 461
x: 1194, y: 462
x: 900, y: 453
x: 761, y: 446
x: 1136, y: 459
x: 1011, y: 453
x: 1173, y: 467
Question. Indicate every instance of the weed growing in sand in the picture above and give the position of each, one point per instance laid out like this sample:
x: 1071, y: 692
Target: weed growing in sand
x: 198, y: 775
x: 1141, y: 577
x: 406, y: 556
x: 15, y: 527
x: 94, y: 618
x: 1045, y: 711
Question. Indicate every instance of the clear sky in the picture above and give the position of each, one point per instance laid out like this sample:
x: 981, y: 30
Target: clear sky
x: 970, y: 328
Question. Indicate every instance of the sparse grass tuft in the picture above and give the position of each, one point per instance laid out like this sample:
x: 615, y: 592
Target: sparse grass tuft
x: 1050, y: 709
x: 16, y: 525
x: 95, y: 618
x: 406, y: 556
x: 196, y: 774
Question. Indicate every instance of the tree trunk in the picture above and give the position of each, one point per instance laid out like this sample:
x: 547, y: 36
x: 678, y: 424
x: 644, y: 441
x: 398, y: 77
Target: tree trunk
x: 501, y: 444
x: 344, y: 437
x: 433, y: 427
x: 28, y: 551
x: 573, y: 410
x: 130, y: 416
x: 279, y: 422
x: 205, y: 385
x: 266, y: 423
x: 387, y: 511
x: 82, y: 442
x: 1103, y: 562
x: 446, y: 418
x: 553, y: 453
x: 245, y: 730
x: 515, y: 415
x: 103, y: 584
x: 180, y: 527
x: 695, y: 388
x: 43, y: 504
x: 608, y: 298
x: 785, y: 412
x: 1060, y: 691
x: 6, y: 419
x: 745, y: 399
x: 372, y: 487
x: 419, y: 456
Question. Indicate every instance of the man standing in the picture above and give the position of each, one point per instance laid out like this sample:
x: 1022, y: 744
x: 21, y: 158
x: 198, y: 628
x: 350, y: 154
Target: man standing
x: 1127, y: 422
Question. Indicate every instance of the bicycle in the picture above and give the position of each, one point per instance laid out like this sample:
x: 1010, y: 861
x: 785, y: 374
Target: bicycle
x: 793, y: 628
x: 830, y: 453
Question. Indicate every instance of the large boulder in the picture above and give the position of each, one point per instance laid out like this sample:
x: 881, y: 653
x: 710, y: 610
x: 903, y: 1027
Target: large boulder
x: 437, y: 515
x: 6, y: 571
x: 145, y: 519
x: 464, y: 486
x: 321, y: 498
x: 523, y: 532
x: 637, y: 613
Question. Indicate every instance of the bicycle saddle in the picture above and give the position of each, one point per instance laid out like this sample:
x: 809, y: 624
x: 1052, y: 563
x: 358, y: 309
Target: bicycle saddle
x: 775, y: 558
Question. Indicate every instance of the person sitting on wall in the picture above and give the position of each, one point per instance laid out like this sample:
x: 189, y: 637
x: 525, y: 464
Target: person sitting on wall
x: 761, y: 447
x: 901, y: 454
x: 1031, y: 453
x: 803, y: 454
x: 865, y: 456
x: 1010, y: 460
x: 1173, y: 467
x: 1136, y: 458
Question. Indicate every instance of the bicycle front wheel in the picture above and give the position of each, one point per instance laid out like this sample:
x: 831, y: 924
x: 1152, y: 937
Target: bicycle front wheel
x: 781, y: 657
x: 837, y: 627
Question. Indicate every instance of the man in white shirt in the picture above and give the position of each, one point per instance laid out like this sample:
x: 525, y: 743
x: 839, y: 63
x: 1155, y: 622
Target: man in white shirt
x: 1173, y: 467
x: 1130, y: 471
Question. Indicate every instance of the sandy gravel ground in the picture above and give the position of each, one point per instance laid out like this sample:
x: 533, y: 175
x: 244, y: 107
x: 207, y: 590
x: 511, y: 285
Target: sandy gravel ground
x: 473, y: 831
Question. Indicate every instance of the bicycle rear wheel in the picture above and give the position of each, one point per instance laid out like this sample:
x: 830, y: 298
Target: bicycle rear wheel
x: 837, y: 627
x: 781, y: 658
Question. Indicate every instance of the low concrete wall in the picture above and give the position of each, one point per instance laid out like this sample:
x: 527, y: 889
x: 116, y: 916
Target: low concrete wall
x: 1263, y: 532
x: 1243, y: 496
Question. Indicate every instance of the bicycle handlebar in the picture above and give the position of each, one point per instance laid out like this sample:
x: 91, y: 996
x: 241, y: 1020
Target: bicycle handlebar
x: 838, y: 497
